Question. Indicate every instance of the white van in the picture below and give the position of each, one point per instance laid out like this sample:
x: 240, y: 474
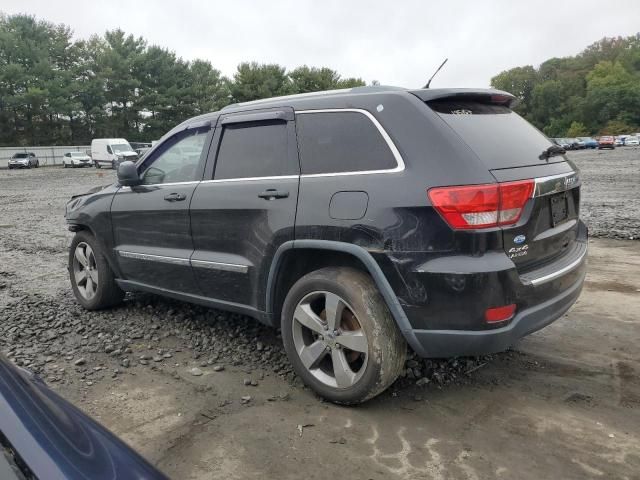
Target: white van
x: 111, y: 152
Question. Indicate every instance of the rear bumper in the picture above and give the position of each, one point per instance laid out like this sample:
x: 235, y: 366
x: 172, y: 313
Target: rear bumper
x: 452, y: 343
x: 444, y: 298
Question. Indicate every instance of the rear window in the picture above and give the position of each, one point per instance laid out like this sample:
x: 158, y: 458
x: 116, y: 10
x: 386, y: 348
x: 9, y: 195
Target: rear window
x: 499, y: 136
x: 253, y: 150
x: 341, y: 142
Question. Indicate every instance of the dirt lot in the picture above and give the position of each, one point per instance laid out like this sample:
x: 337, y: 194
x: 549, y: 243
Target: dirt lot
x: 564, y: 403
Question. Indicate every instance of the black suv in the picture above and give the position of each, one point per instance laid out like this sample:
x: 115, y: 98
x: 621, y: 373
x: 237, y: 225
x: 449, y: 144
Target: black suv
x: 358, y: 221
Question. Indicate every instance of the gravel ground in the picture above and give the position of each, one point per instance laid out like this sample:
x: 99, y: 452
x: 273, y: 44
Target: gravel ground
x: 611, y: 191
x: 162, y: 373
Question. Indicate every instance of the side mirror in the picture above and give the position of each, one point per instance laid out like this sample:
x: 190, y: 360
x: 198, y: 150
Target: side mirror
x: 128, y: 174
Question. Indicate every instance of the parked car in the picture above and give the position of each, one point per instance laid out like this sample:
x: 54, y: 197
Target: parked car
x: 138, y: 145
x: 24, y: 160
x: 562, y: 142
x: 76, y: 159
x: 111, y: 152
x: 142, y: 151
x: 577, y: 144
x: 589, y: 142
x: 42, y: 436
x: 631, y: 141
x: 618, y: 141
x: 606, y: 141
x: 357, y: 221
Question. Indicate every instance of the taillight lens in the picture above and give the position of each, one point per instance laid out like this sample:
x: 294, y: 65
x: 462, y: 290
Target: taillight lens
x: 482, y: 206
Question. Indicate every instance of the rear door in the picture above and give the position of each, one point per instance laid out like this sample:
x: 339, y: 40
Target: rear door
x: 512, y: 149
x: 246, y: 207
x: 151, y: 224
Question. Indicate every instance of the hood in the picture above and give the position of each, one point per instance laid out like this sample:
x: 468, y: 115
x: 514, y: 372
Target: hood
x: 128, y: 154
x: 56, y: 440
x: 91, y: 191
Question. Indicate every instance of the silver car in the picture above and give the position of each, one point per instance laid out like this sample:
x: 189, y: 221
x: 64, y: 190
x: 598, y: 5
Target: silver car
x: 24, y: 160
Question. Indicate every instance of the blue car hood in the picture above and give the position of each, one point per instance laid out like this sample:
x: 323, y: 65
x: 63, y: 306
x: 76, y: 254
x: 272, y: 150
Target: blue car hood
x: 55, y: 439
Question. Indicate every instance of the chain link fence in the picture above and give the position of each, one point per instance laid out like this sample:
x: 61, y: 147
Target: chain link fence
x: 46, y: 155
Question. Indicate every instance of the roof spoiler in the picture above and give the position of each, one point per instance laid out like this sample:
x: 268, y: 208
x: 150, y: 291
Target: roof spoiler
x: 484, y: 95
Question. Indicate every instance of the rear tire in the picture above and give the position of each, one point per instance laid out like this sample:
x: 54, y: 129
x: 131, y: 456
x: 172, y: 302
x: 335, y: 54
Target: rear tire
x: 91, y: 277
x: 322, y: 357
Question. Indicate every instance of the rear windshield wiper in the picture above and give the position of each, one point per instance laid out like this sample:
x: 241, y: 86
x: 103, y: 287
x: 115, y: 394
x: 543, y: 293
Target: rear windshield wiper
x: 552, y: 151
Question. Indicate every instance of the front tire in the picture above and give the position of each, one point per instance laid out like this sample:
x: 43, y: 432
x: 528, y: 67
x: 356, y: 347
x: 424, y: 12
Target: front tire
x: 97, y: 164
x: 340, y: 336
x: 92, y: 279
x: 114, y: 164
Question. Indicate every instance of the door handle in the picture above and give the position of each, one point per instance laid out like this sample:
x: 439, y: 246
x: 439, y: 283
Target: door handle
x: 175, y: 197
x: 272, y: 194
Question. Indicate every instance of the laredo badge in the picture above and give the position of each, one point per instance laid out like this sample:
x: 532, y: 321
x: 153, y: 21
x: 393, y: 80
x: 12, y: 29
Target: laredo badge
x: 520, y: 251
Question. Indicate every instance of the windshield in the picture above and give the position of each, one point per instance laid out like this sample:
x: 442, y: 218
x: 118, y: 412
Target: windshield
x: 122, y: 147
x: 21, y: 155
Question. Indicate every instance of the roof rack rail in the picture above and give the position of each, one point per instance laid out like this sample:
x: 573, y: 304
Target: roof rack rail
x: 363, y: 89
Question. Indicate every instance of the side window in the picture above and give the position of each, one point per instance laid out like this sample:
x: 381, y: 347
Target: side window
x: 109, y: 151
x: 176, y: 160
x: 255, y: 149
x: 340, y: 142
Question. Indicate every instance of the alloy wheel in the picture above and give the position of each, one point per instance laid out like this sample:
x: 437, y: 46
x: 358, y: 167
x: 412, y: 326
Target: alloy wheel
x: 329, y: 339
x: 85, y: 270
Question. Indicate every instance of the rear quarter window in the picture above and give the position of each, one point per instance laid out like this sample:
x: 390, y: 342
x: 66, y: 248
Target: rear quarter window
x: 341, y: 142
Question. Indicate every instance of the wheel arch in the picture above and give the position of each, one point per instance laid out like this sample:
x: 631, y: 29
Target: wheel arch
x: 318, y: 252
x: 83, y: 227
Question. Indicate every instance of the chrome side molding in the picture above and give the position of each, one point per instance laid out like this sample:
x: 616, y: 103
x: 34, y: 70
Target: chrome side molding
x: 228, y: 267
x: 154, y: 258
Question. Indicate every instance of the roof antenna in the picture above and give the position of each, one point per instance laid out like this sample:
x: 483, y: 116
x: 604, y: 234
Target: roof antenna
x: 436, y: 72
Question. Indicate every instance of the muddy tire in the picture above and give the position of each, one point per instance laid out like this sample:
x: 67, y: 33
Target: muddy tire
x: 91, y: 277
x: 340, y: 336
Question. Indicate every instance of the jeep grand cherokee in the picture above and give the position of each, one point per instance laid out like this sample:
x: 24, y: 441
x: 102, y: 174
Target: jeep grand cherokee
x: 358, y: 221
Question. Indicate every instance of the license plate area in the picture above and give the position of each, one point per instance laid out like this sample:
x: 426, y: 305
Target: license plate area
x: 559, y: 208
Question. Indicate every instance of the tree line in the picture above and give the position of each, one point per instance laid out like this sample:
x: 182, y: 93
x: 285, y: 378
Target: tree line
x: 596, y: 92
x: 58, y: 91
x: 55, y: 90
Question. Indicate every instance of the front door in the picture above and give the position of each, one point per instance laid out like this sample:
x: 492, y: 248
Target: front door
x: 151, y: 225
x: 246, y: 206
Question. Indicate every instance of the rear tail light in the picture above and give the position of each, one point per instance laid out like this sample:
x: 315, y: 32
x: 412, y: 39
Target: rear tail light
x: 500, y: 314
x: 482, y: 206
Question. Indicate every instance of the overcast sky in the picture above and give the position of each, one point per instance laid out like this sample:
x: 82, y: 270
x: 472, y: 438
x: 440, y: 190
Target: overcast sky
x: 397, y: 43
